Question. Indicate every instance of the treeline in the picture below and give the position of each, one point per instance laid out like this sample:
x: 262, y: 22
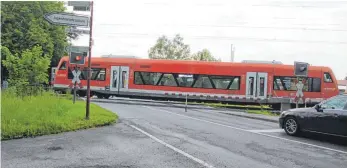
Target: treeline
x: 175, y: 49
x: 29, y: 44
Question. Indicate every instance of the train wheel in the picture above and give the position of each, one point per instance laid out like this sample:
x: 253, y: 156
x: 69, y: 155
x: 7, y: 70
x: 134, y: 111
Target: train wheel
x: 107, y: 96
x: 100, y: 96
x: 82, y: 94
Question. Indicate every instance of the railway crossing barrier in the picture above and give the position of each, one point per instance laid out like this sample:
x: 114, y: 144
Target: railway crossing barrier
x: 186, y: 102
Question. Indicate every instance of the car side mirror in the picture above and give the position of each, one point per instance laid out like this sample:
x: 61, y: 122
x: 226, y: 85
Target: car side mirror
x: 318, y: 108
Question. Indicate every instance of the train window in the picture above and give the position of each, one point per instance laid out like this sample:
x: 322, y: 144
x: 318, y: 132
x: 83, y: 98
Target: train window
x: 235, y: 85
x: 203, y: 82
x: 150, y: 78
x: 97, y: 74
x: 137, y: 78
x: 278, y: 84
x: 225, y: 82
x: 100, y: 74
x: 327, y: 78
x: 250, y: 86
x: 289, y: 84
x: 168, y: 80
x: 185, y: 80
x: 63, y: 66
x: 221, y: 82
x: 262, y: 86
x: 315, y: 84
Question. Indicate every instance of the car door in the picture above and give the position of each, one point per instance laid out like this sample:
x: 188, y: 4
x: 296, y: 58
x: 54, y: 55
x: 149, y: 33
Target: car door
x: 332, y: 116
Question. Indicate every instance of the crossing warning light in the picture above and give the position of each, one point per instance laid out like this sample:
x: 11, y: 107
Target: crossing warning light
x: 301, y: 69
x: 77, y: 58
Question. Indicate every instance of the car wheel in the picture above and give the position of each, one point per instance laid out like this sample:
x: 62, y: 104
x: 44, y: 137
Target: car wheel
x: 291, y: 126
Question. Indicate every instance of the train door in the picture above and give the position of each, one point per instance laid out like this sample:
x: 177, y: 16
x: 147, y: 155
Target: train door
x: 119, y: 78
x: 114, y: 80
x: 124, y: 78
x: 256, y: 85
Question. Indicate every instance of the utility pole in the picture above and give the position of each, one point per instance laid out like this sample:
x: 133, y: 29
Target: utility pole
x: 232, y: 54
x: 89, y: 59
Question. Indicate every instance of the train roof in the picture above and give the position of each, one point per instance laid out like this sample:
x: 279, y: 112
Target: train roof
x: 112, y: 60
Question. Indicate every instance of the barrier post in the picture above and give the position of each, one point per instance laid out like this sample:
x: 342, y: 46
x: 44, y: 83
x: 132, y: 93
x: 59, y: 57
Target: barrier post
x: 186, y: 102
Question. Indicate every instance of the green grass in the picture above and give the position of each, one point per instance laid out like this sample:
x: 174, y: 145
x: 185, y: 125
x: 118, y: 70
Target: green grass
x: 262, y: 112
x: 47, y: 114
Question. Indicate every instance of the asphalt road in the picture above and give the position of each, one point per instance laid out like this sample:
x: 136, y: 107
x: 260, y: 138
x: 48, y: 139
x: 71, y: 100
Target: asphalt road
x: 153, y: 136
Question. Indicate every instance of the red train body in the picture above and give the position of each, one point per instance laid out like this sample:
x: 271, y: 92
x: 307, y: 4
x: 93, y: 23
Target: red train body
x: 206, y: 81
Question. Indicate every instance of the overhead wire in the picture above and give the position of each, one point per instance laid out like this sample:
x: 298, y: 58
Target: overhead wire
x: 146, y: 35
x: 236, y: 26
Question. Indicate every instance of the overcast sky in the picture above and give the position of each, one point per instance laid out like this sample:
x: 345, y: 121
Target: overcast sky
x: 313, y: 31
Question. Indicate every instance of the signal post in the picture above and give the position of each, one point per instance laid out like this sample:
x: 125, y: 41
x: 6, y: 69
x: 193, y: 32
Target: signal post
x: 301, y: 72
x: 77, y: 58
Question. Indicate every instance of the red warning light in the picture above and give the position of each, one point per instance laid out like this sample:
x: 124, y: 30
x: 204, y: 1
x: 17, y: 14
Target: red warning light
x: 78, y: 58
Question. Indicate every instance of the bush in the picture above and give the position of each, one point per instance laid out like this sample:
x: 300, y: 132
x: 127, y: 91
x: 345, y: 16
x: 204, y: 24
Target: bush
x: 47, y: 113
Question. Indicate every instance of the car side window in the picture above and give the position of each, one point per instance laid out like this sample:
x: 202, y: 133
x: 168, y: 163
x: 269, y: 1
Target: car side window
x: 337, y: 103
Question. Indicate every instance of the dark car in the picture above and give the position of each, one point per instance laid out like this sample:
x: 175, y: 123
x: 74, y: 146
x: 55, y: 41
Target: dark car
x: 328, y: 117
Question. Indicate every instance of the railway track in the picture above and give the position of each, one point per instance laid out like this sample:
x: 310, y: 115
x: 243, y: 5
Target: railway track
x: 190, y: 105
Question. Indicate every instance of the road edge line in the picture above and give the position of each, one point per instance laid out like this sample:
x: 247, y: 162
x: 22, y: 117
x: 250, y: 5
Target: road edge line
x: 173, y: 148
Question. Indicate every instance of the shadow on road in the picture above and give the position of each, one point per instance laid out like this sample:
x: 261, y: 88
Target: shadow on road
x: 325, y: 138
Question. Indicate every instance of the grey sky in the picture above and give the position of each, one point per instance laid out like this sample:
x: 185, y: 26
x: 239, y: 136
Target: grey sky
x: 283, y: 30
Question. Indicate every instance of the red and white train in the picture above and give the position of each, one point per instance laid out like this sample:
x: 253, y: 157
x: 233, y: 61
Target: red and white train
x: 245, y: 83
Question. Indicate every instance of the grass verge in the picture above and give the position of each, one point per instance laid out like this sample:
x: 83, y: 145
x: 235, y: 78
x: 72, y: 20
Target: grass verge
x: 47, y: 114
x: 263, y: 112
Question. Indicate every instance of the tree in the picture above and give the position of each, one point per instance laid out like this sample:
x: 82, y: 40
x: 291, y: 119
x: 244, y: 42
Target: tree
x: 23, y: 26
x: 29, y: 67
x: 204, y: 55
x: 170, y: 49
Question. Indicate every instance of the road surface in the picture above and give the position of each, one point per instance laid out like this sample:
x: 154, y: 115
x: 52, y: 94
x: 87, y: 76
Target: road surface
x: 154, y: 136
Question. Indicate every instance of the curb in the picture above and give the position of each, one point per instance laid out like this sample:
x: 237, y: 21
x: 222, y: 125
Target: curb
x: 251, y: 117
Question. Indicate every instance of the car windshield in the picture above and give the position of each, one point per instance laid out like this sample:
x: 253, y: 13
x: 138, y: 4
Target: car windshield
x: 337, y: 102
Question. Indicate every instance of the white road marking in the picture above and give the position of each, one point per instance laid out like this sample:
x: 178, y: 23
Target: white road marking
x: 267, y: 130
x: 259, y: 133
x: 173, y: 148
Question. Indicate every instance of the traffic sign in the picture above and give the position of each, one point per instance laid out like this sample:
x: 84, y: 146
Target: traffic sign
x: 76, y: 76
x: 77, y: 58
x: 78, y: 49
x: 78, y: 3
x: 78, y: 31
x: 67, y: 19
x: 301, y: 69
x: 81, y: 8
x: 76, y: 79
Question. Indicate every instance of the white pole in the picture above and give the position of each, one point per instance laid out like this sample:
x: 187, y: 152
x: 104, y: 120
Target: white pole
x: 232, y: 54
x: 186, y: 102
